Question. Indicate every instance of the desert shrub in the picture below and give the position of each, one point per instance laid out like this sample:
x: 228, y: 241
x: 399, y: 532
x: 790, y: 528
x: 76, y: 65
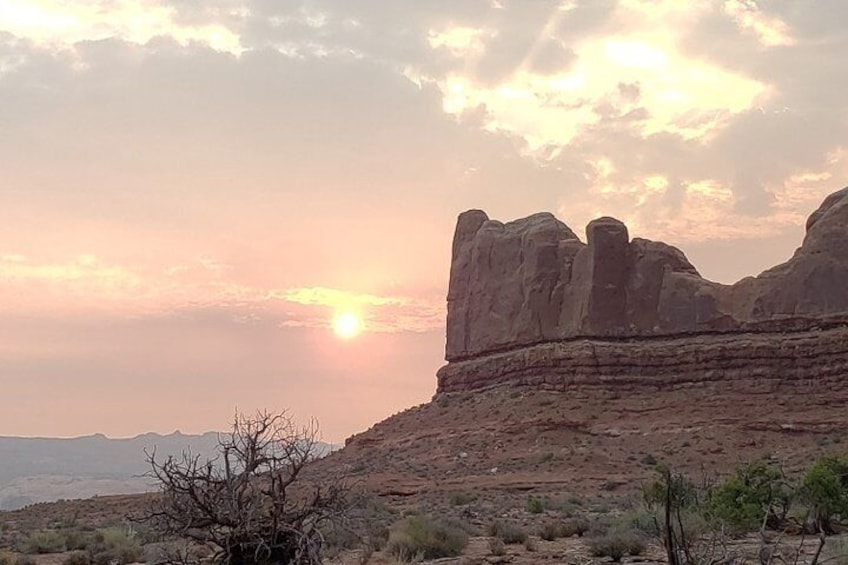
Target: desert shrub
x: 45, y: 541
x: 76, y: 558
x: 546, y: 457
x: 575, y: 500
x: 12, y: 558
x: 530, y: 544
x: 825, y: 489
x: 338, y: 537
x: 676, y: 498
x: 113, y: 546
x: 507, y: 532
x: 145, y: 533
x: 365, y: 526
x: 423, y: 537
x: 644, y: 521
x: 670, y: 487
x: 550, y: 531
x: 616, y: 543
x: 497, y: 546
x: 376, y: 518
x: 176, y: 551
x: 535, y: 505
x: 575, y: 527
x: 649, y: 460
x: 556, y: 529
x: 756, y: 491
x: 76, y: 539
x: 461, y: 498
x: 376, y: 537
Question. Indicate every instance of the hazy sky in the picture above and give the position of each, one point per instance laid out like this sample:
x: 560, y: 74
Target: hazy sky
x: 191, y: 190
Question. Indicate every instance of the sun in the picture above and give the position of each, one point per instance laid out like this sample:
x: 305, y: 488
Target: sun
x: 347, y: 325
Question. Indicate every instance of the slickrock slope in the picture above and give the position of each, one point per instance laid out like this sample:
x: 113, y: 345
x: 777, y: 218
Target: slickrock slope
x: 529, y: 302
x: 597, y: 439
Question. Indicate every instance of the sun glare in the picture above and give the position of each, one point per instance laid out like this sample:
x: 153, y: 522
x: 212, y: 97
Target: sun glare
x: 347, y: 325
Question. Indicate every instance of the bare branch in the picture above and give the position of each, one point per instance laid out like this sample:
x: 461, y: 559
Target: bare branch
x: 247, y: 503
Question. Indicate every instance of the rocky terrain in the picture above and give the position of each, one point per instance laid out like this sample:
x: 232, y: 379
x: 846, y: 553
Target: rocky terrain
x: 530, y: 303
x: 576, y: 367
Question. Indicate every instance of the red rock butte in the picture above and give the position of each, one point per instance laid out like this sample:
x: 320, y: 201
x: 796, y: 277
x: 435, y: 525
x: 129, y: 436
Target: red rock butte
x: 531, y: 304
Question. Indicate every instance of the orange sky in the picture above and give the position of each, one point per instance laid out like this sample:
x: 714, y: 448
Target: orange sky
x: 191, y: 191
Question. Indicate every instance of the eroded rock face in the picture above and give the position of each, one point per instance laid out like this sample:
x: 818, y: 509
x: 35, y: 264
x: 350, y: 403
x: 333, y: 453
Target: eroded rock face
x: 504, y: 281
x: 533, y: 281
x: 809, y: 356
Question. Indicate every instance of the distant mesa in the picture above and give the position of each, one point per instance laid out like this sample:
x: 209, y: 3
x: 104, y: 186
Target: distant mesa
x: 534, y: 283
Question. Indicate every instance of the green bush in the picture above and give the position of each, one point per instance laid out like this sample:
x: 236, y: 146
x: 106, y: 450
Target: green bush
x: 754, y: 492
x: 825, y: 489
x: 461, y: 498
x: 45, y: 541
x: 422, y: 537
x: 76, y: 539
x: 682, y: 491
x: 507, y: 532
x: 535, y: 505
x: 114, y: 545
x: 644, y: 521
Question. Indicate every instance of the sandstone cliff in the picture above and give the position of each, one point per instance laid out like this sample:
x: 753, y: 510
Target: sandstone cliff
x: 532, y: 282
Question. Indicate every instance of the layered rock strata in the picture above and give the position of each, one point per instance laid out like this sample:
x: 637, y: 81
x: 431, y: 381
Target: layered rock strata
x: 660, y: 362
x: 529, y: 302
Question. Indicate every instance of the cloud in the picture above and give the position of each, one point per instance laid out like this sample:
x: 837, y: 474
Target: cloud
x: 86, y: 284
x: 770, y: 31
x: 380, y: 313
x: 53, y: 24
x: 84, y: 275
x: 461, y: 41
x: 637, y: 74
x: 336, y: 299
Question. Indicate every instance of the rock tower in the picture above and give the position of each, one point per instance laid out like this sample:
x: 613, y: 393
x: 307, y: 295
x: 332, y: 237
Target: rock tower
x: 530, y: 303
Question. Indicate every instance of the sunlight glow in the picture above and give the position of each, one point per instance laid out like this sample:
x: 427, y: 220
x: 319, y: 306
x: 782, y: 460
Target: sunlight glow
x: 347, y: 325
x: 642, y: 78
x: 57, y: 25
